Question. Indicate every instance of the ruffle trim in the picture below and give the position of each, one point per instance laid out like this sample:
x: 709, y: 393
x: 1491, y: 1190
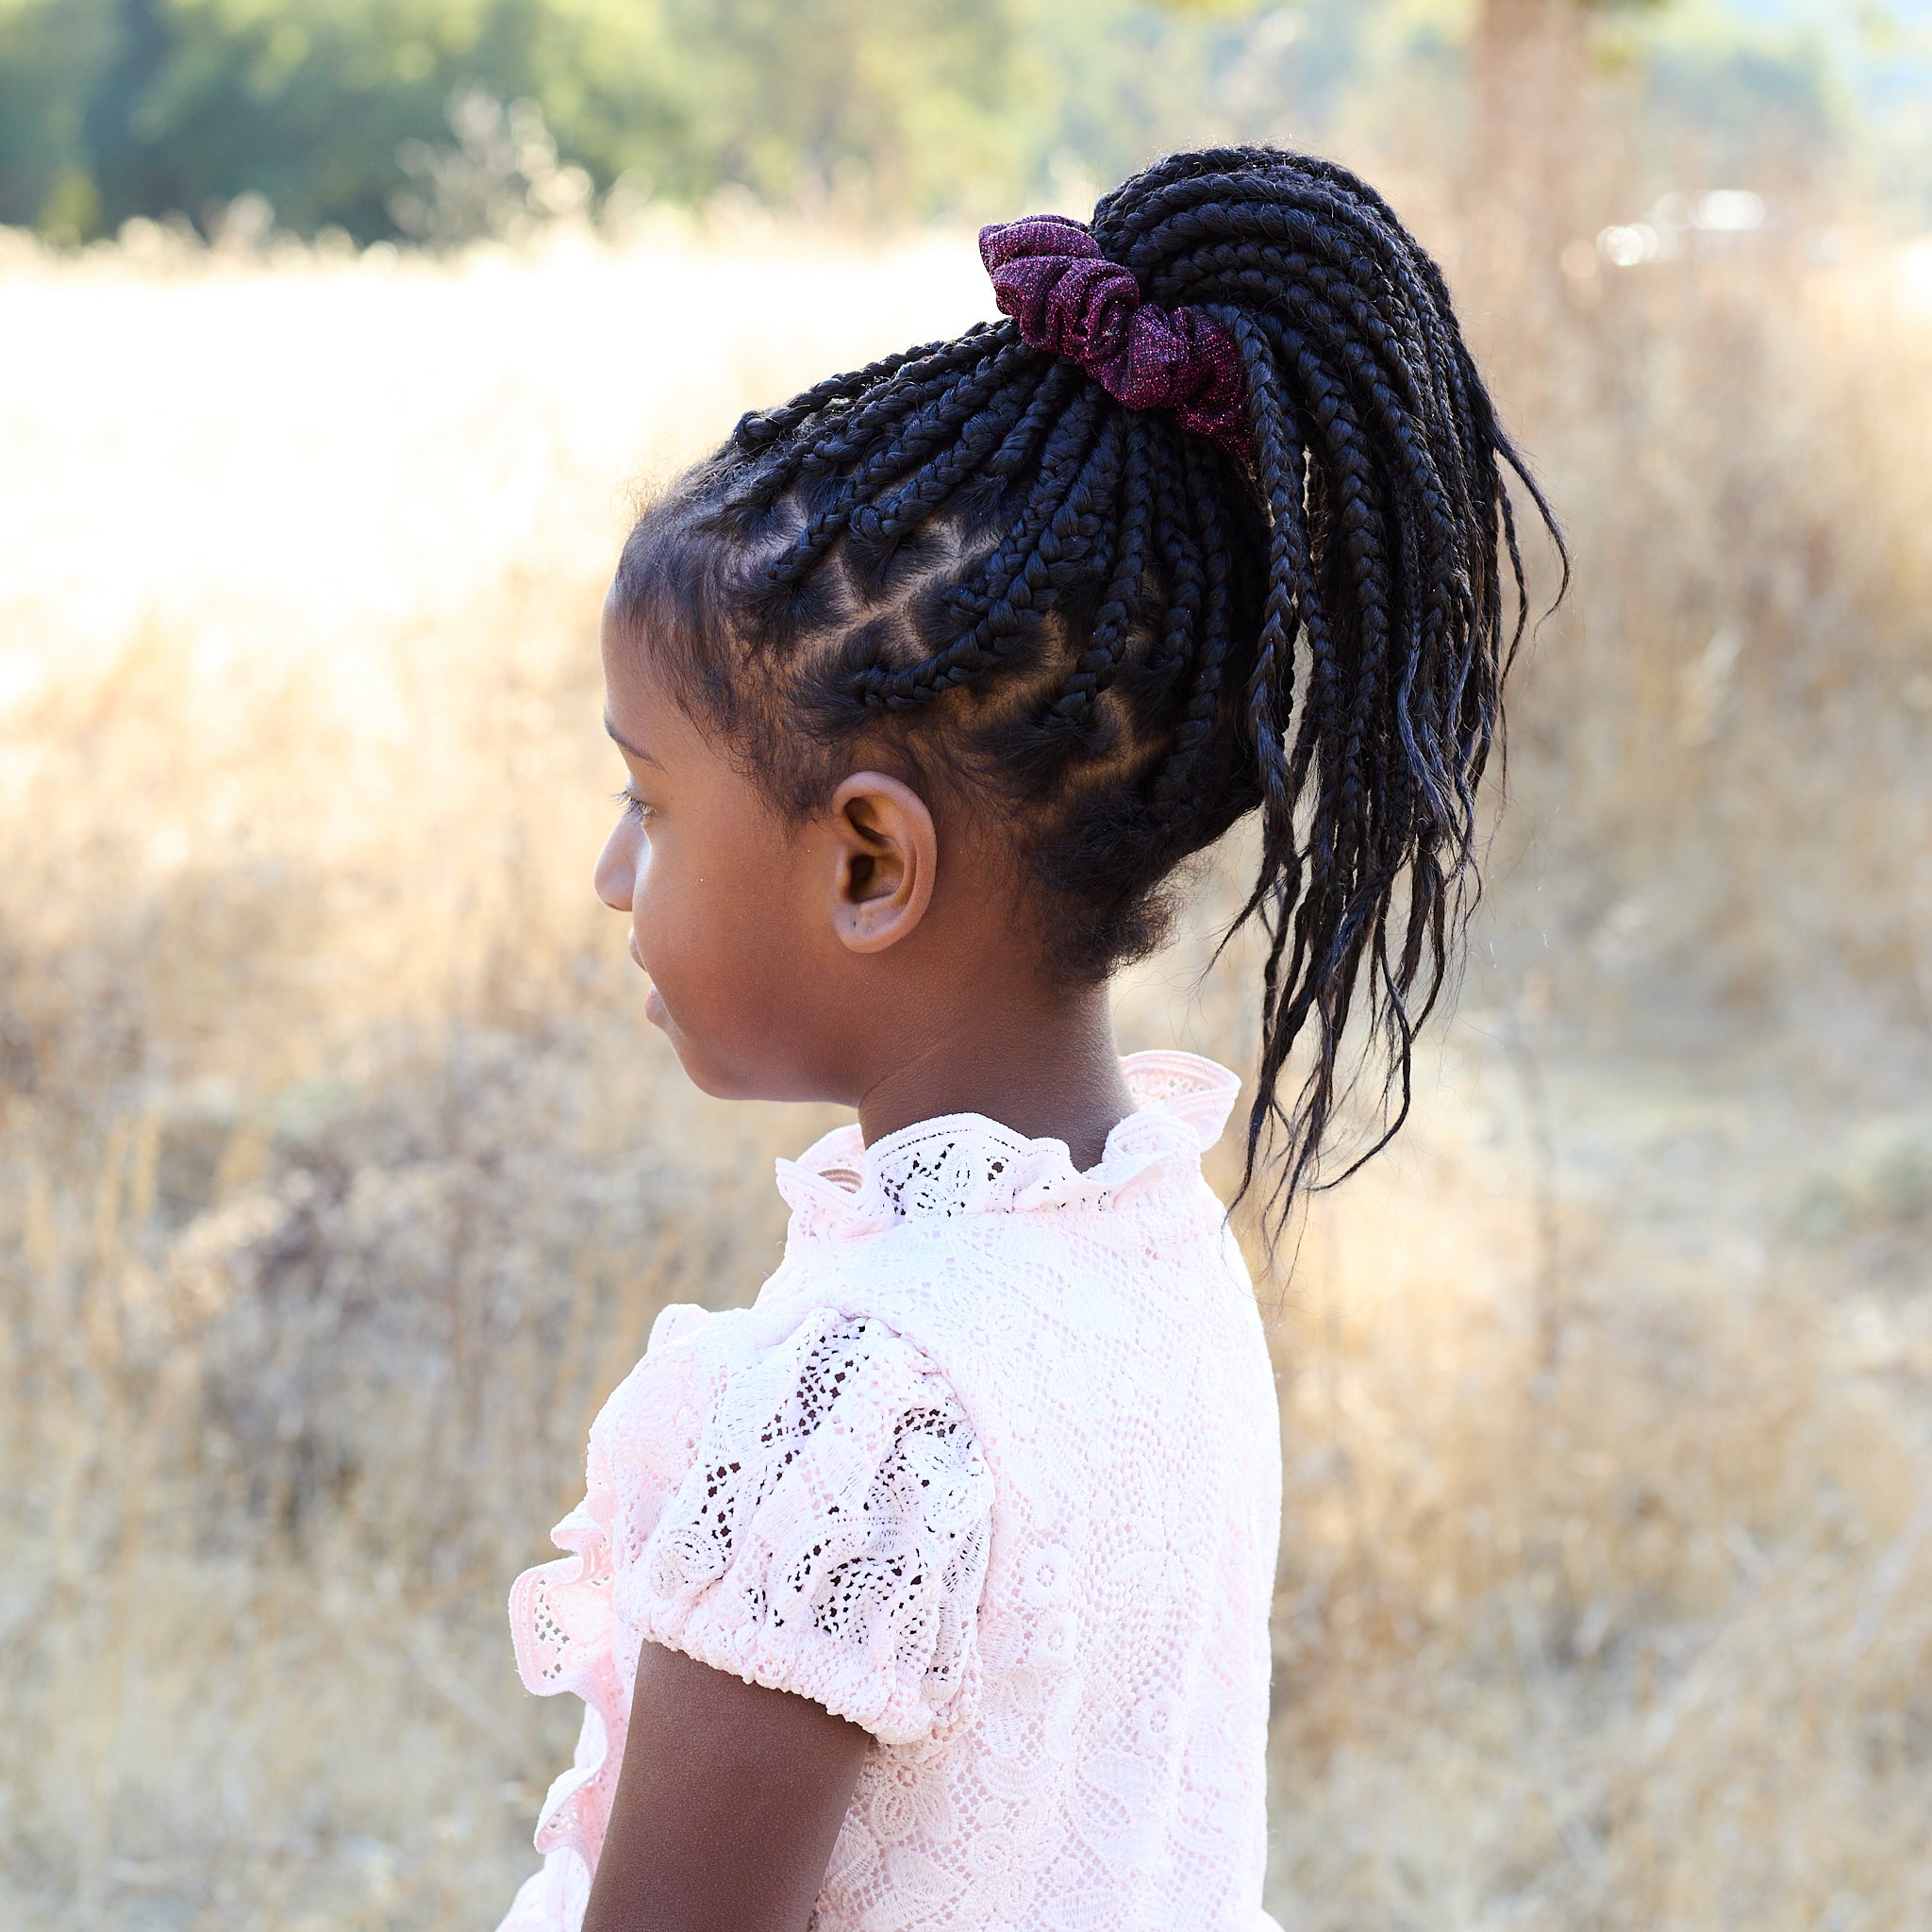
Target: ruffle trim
x: 561, y: 1624
x: 563, y: 1630
x: 968, y: 1164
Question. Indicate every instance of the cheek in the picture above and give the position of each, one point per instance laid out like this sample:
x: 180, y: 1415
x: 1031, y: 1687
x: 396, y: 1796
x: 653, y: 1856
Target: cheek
x: 657, y: 916
x: 687, y: 917
x: 726, y: 951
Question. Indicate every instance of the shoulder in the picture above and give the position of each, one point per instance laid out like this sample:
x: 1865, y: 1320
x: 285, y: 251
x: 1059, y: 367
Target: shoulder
x: 788, y: 1366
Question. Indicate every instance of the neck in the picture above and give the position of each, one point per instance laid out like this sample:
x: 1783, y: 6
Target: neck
x: 1044, y: 1066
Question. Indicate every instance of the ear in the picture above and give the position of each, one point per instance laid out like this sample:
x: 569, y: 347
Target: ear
x: 886, y: 856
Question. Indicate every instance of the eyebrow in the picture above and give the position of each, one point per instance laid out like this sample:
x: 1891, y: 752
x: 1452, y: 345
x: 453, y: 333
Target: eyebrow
x: 624, y: 743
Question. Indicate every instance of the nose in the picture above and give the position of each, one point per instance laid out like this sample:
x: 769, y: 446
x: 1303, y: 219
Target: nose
x: 617, y: 868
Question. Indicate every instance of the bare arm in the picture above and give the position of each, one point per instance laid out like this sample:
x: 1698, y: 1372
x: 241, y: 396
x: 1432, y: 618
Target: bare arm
x: 727, y: 1806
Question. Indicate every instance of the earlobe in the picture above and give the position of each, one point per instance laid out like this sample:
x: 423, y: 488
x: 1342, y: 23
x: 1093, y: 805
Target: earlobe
x: 886, y: 861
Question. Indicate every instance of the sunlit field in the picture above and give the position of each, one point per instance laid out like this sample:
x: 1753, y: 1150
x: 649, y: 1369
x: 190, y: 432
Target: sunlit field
x: 341, y: 1178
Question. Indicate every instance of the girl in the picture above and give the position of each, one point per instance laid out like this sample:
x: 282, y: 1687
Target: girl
x: 933, y: 1589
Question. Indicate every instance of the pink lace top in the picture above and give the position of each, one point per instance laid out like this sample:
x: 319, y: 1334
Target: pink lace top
x: 993, y: 1469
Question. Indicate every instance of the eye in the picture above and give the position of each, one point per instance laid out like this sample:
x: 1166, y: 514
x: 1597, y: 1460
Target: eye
x: 634, y: 806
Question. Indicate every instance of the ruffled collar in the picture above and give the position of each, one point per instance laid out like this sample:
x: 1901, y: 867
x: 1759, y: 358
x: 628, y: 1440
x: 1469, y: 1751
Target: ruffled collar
x: 967, y: 1164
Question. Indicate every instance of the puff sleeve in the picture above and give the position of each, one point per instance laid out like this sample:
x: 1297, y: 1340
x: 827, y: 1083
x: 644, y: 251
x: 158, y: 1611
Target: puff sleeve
x: 829, y: 1537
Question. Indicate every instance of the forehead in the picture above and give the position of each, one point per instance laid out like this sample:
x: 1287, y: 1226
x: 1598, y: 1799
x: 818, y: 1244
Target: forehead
x: 646, y: 719
x: 633, y: 680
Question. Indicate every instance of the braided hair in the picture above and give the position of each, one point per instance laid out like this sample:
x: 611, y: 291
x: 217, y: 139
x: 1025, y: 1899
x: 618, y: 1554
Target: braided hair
x: 1128, y: 637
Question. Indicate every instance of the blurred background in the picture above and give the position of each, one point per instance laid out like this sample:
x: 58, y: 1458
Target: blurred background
x: 340, y: 1179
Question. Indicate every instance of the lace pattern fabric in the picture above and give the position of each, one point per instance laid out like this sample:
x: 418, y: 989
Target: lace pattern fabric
x: 991, y: 1469
x: 830, y: 1536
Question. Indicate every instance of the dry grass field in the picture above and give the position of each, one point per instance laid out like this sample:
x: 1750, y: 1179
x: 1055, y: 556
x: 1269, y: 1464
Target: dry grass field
x: 339, y: 1178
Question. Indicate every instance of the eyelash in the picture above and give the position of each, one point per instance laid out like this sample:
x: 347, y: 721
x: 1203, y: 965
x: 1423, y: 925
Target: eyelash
x: 634, y: 806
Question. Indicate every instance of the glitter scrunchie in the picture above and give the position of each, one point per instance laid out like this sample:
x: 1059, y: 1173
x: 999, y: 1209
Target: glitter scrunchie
x: 1049, y: 275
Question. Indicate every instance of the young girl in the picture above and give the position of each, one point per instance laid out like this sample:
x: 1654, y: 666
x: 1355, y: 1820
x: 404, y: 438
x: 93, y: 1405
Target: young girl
x: 933, y: 1589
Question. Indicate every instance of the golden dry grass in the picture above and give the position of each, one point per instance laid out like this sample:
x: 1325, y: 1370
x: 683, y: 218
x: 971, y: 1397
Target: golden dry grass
x: 340, y: 1179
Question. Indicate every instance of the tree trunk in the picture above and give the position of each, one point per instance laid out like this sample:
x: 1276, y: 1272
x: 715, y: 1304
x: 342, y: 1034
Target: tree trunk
x: 1527, y: 68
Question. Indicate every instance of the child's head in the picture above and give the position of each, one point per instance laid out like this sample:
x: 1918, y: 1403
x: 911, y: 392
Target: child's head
x: 972, y: 653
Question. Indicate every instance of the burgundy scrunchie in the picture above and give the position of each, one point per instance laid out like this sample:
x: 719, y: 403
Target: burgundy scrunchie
x: 1050, y: 276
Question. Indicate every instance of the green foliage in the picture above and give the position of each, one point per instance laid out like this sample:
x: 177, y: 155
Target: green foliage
x: 784, y: 95
x: 115, y: 108
x: 181, y: 104
x: 50, y: 55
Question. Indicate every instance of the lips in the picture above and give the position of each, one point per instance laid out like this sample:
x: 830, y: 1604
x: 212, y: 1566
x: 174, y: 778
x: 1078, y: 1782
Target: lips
x: 654, y: 1005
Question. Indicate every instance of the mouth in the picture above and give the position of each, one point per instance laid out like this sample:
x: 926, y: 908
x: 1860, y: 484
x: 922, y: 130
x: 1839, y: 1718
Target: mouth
x: 653, y: 1004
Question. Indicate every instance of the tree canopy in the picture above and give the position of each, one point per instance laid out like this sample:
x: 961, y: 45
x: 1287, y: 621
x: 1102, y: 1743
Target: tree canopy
x: 113, y: 108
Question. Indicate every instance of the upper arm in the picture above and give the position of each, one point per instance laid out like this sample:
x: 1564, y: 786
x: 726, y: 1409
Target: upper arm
x: 727, y: 1806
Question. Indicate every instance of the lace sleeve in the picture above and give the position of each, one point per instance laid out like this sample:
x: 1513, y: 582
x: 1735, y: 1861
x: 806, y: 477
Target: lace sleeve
x: 830, y: 1539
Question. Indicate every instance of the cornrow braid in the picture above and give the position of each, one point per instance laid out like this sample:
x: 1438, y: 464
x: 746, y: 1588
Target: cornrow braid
x: 1127, y: 629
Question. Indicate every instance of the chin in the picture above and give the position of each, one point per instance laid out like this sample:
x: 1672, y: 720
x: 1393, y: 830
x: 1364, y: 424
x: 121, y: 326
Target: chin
x: 754, y: 1078
x: 713, y: 1080
x: 705, y: 1071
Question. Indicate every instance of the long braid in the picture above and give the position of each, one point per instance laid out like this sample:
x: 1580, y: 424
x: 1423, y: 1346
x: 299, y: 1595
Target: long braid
x: 757, y: 429
x: 1097, y: 666
x: 948, y: 406
x: 1178, y: 551
x: 1197, y: 745
x: 1131, y: 639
